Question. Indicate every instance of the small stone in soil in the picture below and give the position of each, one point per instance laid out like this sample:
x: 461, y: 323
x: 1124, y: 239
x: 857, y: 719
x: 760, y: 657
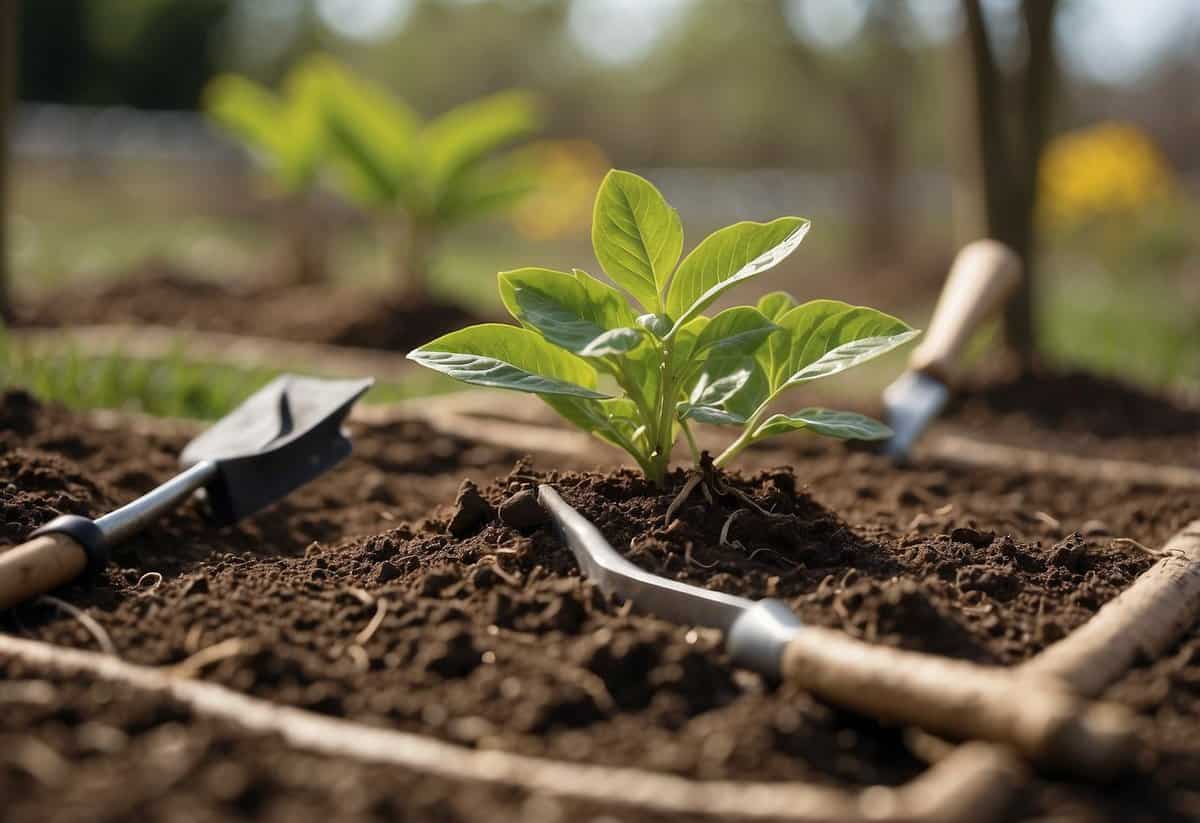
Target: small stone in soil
x: 523, y: 512
x: 387, y: 571
x: 471, y: 511
x: 451, y: 655
x: 976, y: 538
x: 374, y: 489
x: 197, y: 585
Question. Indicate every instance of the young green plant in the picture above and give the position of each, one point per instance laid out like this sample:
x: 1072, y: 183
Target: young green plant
x: 435, y: 175
x: 286, y: 134
x: 638, y: 378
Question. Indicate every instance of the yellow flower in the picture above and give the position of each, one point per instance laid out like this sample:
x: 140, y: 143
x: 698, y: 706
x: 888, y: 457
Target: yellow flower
x: 568, y: 172
x: 1107, y: 170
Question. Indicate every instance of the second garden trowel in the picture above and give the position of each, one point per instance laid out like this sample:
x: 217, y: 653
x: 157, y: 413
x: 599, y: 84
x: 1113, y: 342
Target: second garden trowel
x: 982, y: 278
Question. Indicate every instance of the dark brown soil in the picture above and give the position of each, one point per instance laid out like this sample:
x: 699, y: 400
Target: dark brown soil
x: 489, y: 637
x: 1081, y: 413
x: 338, y: 315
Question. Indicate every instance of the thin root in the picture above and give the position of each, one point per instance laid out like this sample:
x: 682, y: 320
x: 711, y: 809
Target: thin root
x: 681, y: 498
x: 94, y: 629
x: 192, y: 666
x: 787, y: 562
x: 691, y: 561
x: 729, y: 524
x: 155, y: 576
x: 361, y: 595
x: 1129, y: 541
x: 359, y: 656
x: 381, y: 607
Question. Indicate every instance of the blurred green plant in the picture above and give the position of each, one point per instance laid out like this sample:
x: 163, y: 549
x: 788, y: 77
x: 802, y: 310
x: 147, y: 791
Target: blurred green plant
x: 434, y: 175
x: 285, y: 130
x: 285, y: 133
x: 672, y: 364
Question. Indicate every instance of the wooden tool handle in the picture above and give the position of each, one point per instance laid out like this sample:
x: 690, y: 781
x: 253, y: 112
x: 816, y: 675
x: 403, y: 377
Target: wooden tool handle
x: 1036, y: 716
x: 983, y: 276
x: 44, y: 563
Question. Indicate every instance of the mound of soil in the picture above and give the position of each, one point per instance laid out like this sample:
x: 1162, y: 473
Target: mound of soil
x: 337, y: 315
x: 1080, y: 413
x: 392, y: 593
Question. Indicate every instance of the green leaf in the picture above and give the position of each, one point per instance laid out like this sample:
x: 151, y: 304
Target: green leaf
x: 713, y: 390
x: 685, y: 343
x: 486, y: 188
x: 840, y: 341
x: 615, y: 420
x: 780, y: 357
x: 372, y: 136
x: 637, y: 236
x: 714, y: 415
x: 508, y: 357
x: 304, y: 121
x: 736, y: 384
x: 250, y: 112
x: 774, y: 305
x: 829, y: 422
x: 462, y: 137
x: 727, y: 257
x: 753, y: 393
x: 733, y: 332
x: 569, y: 310
x: 614, y: 341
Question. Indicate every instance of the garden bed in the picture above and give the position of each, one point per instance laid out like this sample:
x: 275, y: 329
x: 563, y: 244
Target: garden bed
x: 334, y: 314
x: 371, y: 595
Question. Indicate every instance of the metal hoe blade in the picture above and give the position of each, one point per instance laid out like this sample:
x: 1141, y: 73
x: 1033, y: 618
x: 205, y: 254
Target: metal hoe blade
x: 756, y: 631
x: 283, y: 436
x: 669, y: 599
x: 912, y: 402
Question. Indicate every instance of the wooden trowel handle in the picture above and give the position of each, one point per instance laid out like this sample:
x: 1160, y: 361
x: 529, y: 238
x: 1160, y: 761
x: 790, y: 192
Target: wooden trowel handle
x: 38, y: 566
x: 1038, y: 717
x: 982, y: 278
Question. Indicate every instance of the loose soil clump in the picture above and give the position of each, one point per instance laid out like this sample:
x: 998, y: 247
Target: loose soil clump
x: 394, y: 594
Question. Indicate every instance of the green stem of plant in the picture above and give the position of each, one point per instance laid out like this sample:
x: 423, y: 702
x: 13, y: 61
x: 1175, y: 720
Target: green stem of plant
x: 746, y: 438
x: 691, y: 439
x: 663, y: 433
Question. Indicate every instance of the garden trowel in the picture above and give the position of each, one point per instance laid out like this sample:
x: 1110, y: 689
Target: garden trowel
x: 1037, y: 716
x: 283, y: 436
x: 983, y: 276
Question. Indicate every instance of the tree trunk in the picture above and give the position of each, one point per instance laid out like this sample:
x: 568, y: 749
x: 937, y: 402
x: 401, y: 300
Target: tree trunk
x: 8, y: 84
x: 1007, y: 164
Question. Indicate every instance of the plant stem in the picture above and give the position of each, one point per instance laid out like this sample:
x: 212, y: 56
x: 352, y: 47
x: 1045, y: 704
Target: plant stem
x: 746, y: 437
x: 692, y: 442
x: 664, y: 428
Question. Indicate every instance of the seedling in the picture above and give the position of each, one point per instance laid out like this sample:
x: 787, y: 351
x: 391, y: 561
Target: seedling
x: 666, y: 364
x: 285, y: 134
x: 436, y: 175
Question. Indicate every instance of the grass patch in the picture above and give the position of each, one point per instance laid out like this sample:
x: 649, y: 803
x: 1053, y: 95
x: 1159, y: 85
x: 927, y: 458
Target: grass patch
x: 174, y: 386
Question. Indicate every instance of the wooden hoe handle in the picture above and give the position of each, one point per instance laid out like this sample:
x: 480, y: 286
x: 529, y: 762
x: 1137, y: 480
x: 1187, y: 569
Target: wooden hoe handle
x: 1038, y: 717
x: 39, y: 565
x: 982, y: 278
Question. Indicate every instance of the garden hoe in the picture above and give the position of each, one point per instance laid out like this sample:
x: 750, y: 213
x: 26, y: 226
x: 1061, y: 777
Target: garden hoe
x: 983, y: 276
x: 1039, y: 717
x: 284, y: 435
